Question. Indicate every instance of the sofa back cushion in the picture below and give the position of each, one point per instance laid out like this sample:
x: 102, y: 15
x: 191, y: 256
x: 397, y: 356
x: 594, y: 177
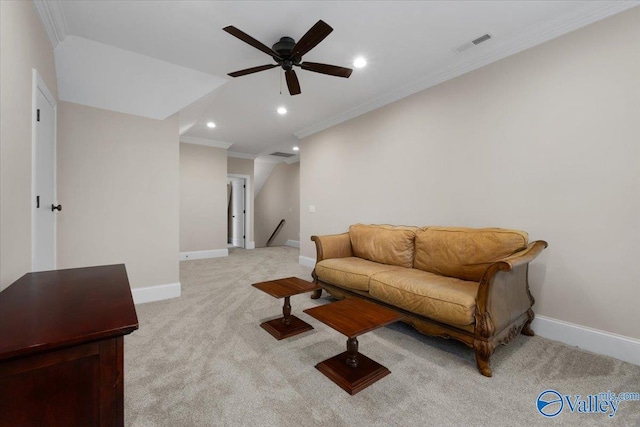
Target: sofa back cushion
x: 386, y: 244
x: 465, y: 253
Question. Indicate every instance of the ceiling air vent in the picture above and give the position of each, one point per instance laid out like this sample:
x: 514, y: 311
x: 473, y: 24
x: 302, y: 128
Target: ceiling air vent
x: 279, y: 154
x: 472, y: 43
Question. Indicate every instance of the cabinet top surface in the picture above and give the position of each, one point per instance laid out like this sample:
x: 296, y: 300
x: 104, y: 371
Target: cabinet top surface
x: 54, y: 309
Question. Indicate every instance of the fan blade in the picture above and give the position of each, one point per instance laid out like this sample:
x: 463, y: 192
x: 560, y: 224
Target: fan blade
x: 292, y: 82
x: 332, y: 70
x: 252, y: 70
x: 250, y: 40
x: 315, y: 35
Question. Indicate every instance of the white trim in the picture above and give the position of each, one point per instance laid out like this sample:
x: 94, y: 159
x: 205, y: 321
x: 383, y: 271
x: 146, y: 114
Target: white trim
x: 248, y: 207
x: 251, y: 245
x: 156, y: 293
x: 601, y: 342
x: 497, y: 50
x: 213, y: 253
x: 306, y: 261
x: 38, y: 83
x: 293, y: 243
x: 207, y: 142
x: 241, y: 155
x: 52, y: 18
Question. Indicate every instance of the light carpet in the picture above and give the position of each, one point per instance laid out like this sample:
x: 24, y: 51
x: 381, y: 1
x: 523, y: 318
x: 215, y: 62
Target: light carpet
x: 203, y: 360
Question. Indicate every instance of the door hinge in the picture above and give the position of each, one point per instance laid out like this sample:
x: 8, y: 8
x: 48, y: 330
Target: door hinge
x: 244, y: 211
x: 38, y: 115
x: 37, y: 202
x: 243, y: 237
x: 244, y: 186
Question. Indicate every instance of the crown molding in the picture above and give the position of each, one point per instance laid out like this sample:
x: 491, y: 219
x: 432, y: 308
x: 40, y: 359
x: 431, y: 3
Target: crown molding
x: 239, y: 155
x: 501, y: 49
x: 207, y: 142
x: 52, y: 18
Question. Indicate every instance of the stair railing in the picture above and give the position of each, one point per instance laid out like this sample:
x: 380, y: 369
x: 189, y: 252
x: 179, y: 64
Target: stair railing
x: 278, y: 228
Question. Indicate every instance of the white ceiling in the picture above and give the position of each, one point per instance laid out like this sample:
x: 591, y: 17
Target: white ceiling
x: 408, y: 46
x: 111, y: 78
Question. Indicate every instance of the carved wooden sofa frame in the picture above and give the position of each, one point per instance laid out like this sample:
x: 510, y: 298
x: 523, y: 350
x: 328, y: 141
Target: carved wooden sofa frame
x: 495, y: 322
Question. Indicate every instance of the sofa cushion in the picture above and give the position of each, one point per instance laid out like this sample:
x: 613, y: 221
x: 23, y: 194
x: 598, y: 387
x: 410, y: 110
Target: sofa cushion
x: 385, y: 244
x: 350, y: 273
x: 465, y: 253
x: 445, y: 299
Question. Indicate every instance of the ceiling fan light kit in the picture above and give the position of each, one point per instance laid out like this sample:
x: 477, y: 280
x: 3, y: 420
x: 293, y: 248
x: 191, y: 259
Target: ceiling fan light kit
x: 288, y: 54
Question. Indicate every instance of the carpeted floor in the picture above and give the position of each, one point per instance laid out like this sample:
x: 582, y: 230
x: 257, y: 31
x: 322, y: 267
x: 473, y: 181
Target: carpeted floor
x: 203, y: 360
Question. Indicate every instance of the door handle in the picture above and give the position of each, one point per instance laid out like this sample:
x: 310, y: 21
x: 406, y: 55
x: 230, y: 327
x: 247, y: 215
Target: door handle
x: 54, y: 207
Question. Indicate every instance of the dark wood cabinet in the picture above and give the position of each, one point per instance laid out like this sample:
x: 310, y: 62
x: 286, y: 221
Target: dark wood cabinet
x: 61, y: 347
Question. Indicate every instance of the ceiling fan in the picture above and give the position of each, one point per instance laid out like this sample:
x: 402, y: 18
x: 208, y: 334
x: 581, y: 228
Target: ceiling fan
x: 288, y: 54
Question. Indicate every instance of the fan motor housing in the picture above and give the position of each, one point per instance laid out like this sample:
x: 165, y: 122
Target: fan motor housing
x: 284, y: 46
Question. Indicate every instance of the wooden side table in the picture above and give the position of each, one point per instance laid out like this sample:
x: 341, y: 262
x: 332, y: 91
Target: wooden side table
x: 61, y: 347
x: 351, y: 370
x: 288, y: 325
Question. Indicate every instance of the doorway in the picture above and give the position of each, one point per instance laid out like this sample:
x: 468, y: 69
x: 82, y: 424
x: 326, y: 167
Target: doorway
x: 239, y: 211
x: 43, y: 176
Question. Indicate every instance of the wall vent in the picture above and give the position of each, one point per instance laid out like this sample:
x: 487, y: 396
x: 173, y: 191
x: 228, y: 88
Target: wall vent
x: 279, y: 154
x: 472, y: 43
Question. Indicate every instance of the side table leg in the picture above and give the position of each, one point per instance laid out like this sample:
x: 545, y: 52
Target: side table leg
x: 286, y: 310
x: 352, y: 352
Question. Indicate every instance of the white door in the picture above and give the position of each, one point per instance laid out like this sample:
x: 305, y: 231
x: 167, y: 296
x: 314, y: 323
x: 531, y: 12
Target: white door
x: 237, y: 212
x: 44, y: 244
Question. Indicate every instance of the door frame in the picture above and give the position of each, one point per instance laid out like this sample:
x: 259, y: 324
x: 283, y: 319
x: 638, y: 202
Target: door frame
x: 38, y: 84
x: 247, y: 207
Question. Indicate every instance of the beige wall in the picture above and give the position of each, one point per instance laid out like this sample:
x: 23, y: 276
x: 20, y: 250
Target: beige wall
x: 278, y: 199
x: 118, y: 183
x: 203, y: 196
x: 245, y: 167
x: 546, y: 141
x: 23, y: 45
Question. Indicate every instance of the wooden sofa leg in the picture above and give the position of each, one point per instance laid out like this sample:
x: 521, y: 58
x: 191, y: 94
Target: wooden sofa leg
x: 483, y: 350
x: 316, y: 294
x: 526, y: 329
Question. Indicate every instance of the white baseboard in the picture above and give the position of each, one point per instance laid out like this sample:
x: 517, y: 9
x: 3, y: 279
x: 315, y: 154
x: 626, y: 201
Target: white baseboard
x: 293, y: 243
x: 306, y: 261
x: 251, y: 245
x: 601, y: 342
x: 214, y: 253
x: 156, y: 293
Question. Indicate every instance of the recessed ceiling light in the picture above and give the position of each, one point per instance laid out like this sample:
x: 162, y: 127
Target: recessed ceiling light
x: 359, y: 62
x: 282, y: 110
x: 296, y: 148
x: 211, y: 125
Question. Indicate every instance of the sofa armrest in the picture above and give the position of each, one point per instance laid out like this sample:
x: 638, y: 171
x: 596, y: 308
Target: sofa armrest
x: 525, y: 256
x: 332, y: 246
x: 503, y: 294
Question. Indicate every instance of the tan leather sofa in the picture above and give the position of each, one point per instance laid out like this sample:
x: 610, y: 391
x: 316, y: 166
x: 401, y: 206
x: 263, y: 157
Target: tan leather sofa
x: 462, y: 283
